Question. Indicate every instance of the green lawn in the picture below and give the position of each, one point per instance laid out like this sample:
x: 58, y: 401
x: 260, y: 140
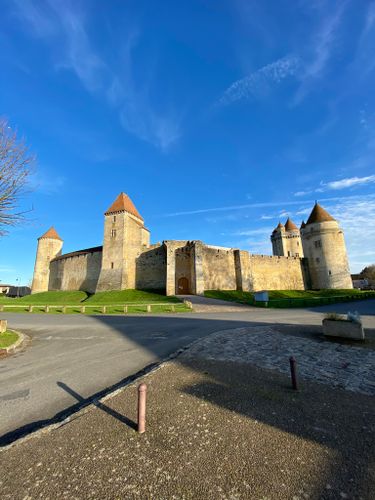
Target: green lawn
x: 114, y: 300
x: 292, y: 298
x: 7, y: 338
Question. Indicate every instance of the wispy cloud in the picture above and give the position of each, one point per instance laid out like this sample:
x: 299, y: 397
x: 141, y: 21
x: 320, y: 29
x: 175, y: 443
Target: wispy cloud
x: 258, y: 205
x: 339, y: 184
x: 63, y: 25
x: 258, y: 82
x: 320, y: 48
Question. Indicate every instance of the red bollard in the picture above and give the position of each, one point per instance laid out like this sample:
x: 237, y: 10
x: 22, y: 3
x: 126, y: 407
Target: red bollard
x: 142, y: 390
x: 293, y: 372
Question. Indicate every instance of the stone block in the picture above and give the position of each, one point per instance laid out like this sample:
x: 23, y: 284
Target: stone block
x: 3, y: 325
x: 343, y: 329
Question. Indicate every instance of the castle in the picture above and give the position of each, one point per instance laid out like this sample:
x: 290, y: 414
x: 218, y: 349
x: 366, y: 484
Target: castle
x: 312, y: 257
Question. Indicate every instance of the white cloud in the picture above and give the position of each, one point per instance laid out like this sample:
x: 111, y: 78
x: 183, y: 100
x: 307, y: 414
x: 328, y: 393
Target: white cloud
x: 64, y: 27
x: 349, y: 182
x: 320, y: 48
x: 339, y: 184
x: 256, y: 83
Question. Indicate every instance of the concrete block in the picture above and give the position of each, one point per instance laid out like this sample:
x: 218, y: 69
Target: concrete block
x: 3, y: 325
x: 343, y: 328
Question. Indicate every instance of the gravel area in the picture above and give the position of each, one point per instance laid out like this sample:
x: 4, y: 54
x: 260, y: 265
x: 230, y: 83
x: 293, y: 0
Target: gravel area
x: 328, y: 362
x: 215, y: 430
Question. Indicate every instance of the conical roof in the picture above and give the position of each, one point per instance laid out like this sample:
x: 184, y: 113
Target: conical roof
x: 290, y: 226
x: 303, y: 225
x: 51, y: 233
x: 318, y: 214
x: 279, y: 226
x: 123, y: 204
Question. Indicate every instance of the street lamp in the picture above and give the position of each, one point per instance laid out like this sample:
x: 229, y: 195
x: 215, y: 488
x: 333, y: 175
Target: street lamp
x: 18, y: 290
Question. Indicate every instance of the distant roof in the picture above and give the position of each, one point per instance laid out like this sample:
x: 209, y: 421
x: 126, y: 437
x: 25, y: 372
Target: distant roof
x: 318, y: 214
x: 290, y: 226
x: 123, y: 204
x: 303, y: 225
x: 279, y: 226
x: 79, y: 252
x: 51, y: 233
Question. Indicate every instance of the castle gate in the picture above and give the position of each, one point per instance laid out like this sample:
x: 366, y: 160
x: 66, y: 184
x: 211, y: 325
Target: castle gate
x: 183, y: 286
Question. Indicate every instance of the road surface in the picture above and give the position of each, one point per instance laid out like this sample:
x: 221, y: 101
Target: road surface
x: 92, y: 353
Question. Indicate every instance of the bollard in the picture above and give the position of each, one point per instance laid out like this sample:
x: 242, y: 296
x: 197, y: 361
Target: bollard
x: 142, y: 390
x: 125, y: 309
x: 83, y: 309
x: 293, y: 372
x: 30, y: 309
x: 1, y: 308
x: 3, y: 325
x: 173, y: 309
x: 46, y: 309
x: 149, y: 308
x: 104, y: 309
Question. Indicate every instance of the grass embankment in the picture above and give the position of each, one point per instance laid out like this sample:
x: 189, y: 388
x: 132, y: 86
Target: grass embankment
x: 292, y: 298
x: 8, y: 338
x: 113, y: 300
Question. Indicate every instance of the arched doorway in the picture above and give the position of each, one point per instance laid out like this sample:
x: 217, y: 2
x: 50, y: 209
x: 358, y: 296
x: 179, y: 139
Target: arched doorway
x: 183, y: 286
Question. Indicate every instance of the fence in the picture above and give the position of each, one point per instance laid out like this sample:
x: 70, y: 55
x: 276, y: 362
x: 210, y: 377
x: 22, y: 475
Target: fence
x: 95, y: 308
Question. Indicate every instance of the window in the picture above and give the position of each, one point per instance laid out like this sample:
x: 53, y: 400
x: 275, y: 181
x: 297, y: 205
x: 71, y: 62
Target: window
x: 318, y: 244
x: 297, y: 254
x: 114, y: 218
x: 113, y: 233
x: 317, y: 260
x: 297, y: 243
x: 288, y: 253
x: 111, y: 265
x: 329, y: 273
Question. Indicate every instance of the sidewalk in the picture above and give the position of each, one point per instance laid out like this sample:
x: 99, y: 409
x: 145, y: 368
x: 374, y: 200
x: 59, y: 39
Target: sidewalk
x: 215, y: 429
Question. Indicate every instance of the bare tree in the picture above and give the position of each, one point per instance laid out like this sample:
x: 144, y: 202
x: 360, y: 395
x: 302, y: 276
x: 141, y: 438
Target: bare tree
x: 15, y: 169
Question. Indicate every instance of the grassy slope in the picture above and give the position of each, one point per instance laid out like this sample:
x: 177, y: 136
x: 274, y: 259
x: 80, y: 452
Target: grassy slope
x: 72, y: 298
x: 278, y: 295
x: 7, y: 339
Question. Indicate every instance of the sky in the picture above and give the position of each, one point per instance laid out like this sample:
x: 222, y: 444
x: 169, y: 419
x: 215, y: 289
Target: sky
x: 217, y: 117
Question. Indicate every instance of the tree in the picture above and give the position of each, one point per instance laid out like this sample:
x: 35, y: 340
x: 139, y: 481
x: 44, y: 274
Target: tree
x: 15, y: 170
x: 369, y: 272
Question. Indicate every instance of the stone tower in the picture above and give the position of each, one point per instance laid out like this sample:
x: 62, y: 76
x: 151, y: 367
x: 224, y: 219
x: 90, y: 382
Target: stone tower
x: 286, y: 240
x: 49, y: 247
x: 324, y: 246
x: 125, y: 238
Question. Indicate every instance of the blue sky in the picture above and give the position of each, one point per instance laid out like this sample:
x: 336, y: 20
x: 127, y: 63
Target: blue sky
x: 218, y: 118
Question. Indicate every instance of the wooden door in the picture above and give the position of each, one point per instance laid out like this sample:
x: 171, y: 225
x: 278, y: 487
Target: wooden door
x: 183, y: 286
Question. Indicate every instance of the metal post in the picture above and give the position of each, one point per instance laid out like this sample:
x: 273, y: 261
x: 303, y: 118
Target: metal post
x: 293, y: 372
x: 142, y: 390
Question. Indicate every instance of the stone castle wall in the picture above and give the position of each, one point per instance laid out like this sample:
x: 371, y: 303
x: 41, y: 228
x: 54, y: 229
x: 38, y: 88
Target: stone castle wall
x: 77, y: 272
x: 275, y: 273
x: 151, y: 269
x: 219, y: 271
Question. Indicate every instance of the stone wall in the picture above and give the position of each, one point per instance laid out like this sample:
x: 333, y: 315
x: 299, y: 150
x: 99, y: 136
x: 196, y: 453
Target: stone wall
x: 219, y: 270
x: 151, y: 269
x: 275, y: 273
x: 76, y: 272
x: 324, y: 246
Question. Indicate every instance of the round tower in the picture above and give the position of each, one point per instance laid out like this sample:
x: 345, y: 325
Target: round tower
x: 49, y: 247
x: 277, y: 239
x: 324, y: 247
x: 286, y: 240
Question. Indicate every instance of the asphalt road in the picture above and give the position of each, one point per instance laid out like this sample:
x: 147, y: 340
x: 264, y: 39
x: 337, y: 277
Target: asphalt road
x: 93, y: 353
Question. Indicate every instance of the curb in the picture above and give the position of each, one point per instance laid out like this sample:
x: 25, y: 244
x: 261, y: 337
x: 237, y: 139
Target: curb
x: 64, y: 417
x: 18, y: 343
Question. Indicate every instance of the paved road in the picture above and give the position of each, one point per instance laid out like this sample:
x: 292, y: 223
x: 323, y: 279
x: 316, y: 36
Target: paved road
x: 92, y: 353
